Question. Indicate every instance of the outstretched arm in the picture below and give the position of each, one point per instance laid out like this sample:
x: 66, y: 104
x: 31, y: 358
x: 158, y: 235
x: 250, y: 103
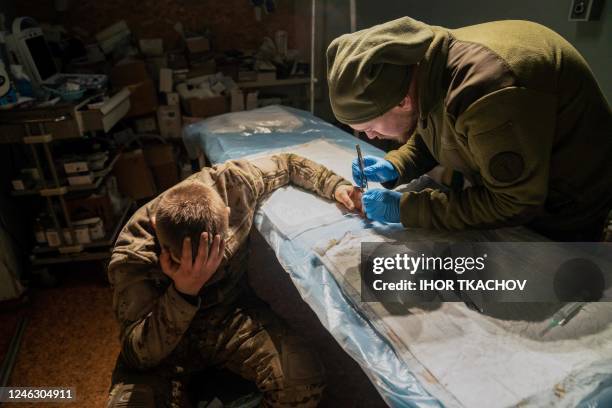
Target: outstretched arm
x: 265, y: 175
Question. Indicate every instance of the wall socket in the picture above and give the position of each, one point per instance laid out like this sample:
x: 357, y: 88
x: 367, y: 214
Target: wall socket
x: 585, y: 10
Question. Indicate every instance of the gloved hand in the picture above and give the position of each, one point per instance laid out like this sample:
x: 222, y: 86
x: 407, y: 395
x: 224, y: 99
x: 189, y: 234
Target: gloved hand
x: 382, y: 205
x: 375, y: 169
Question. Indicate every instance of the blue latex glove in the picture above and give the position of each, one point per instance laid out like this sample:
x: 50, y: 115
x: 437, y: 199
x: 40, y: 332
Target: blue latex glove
x: 375, y: 169
x: 382, y: 205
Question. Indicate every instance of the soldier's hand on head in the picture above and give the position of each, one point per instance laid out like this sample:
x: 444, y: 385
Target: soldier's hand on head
x: 349, y: 196
x: 190, y: 275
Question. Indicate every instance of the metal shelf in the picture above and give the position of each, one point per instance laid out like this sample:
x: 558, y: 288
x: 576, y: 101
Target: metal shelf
x: 105, y: 242
x: 99, y: 176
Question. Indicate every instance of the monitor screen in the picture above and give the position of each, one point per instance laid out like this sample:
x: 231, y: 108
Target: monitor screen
x: 42, y: 57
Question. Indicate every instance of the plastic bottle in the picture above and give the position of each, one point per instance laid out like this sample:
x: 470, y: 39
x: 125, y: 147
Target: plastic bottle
x: 8, y: 96
x: 22, y: 81
x: 39, y: 231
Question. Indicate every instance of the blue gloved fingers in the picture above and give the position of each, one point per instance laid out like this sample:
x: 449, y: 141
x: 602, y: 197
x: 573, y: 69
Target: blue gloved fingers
x: 379, y: 169
x: 370, y: 160
x: 372, y: 172
x: 375, y: 169
x: 392, y: 213
x: 372, y: 201
x: 356, y: 172
x: 382, y: 205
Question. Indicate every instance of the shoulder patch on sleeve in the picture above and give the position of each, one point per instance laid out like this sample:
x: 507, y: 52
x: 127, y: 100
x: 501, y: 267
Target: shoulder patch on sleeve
x: 506, y: 167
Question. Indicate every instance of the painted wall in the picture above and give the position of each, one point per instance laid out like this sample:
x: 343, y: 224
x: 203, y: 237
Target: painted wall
x: 592, y: 39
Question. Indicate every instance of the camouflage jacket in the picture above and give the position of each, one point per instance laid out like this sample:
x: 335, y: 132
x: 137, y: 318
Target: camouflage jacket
x: 152, y: 315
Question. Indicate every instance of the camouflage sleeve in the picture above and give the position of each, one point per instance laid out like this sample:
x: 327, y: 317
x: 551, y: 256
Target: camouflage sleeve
x: 269, y: 173
x: 510, y: 135
x: 411, y: 161
x: 152, y: 315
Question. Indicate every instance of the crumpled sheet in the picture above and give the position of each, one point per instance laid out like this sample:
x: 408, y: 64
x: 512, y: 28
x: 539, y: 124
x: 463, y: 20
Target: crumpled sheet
x: 395, y: 379
x: 500, y: 358
x: 235, y: 135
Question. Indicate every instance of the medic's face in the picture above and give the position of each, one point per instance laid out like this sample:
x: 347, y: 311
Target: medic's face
x: 397, y: 124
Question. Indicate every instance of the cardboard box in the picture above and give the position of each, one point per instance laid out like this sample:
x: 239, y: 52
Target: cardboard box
x: 152, y: 47
x: 251, y: 100
x: 197, y: 45
x: 89, y: 229
x: 154, y: 64
x: 18, y: 184
x: 112, y: 36
x: 166, y: 84
x: 159, y: 154
x: 161, y: 160
x: 169, y: 121
x: 76, y: 167
x: 143, y: 99
x: 229, y: 69
x: 134, y: 178
x: 67, y: 235
x: 190, y: 120
x: 53, y: 238
x: 197, y: 69
x: 82, y: 234
x: 177, y: 60
x: 266, y: 76
x: 166, y: 176
x: 128, y: 72
x: 247, y: 76
x: 94, y: 205
x: 172, y: 98
x: 237, y: 100
x: 81, y: 179
x: 145, y: 125
x: 206, y: 107
x: 104, y: 116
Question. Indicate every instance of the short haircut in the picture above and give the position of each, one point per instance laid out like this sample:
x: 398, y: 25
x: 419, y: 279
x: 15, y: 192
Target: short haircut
x: 187, y: 210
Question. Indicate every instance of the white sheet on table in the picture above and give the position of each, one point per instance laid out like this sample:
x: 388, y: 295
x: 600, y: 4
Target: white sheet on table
x: 480, y: 360
x: 294, y: 211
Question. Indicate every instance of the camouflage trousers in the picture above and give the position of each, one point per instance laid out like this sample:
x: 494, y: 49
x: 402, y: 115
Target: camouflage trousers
x: 244, y: 337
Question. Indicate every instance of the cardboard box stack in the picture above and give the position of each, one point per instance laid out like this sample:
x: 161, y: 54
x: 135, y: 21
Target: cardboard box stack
x: 132, y: 73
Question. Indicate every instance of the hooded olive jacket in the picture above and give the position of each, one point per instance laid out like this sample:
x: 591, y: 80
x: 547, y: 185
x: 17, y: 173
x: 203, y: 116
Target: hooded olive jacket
x: 516, y: 109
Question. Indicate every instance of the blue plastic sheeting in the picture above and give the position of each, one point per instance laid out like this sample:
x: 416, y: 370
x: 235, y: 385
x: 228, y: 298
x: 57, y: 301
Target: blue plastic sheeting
x: 258, y: 133
x: 390, y: 375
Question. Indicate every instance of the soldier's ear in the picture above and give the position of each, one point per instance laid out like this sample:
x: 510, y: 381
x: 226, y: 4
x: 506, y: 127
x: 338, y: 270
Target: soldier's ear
x: 406, y: 103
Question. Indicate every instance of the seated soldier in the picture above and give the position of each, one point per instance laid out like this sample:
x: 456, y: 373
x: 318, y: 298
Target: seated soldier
x: 181, y: 296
